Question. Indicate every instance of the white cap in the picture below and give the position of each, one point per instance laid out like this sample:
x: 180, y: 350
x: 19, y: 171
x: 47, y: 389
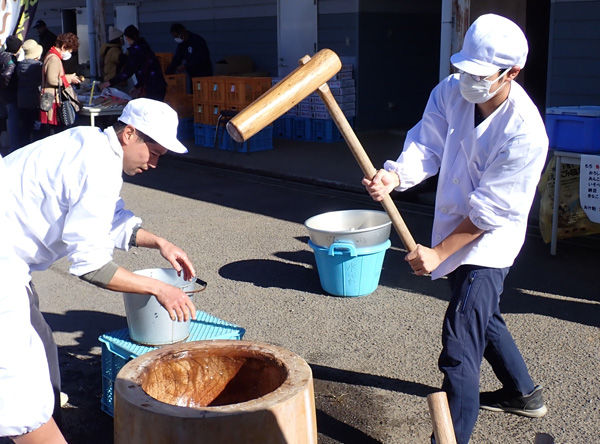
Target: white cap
x: 155, y: 119
x: 491, y: 43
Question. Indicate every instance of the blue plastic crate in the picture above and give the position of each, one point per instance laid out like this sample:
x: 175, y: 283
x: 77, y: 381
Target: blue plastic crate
x: 283, y: 127
x: 185, y: 129
x: 204, y: 135
x: 118, y: 349
x: 574, y: 128
x: 198, y: 134
x: 261, y: 141
x: 209, y: 136
x: 302, y: 128
x: 325, y: 131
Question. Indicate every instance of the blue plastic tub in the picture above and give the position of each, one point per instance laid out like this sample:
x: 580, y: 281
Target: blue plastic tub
x: 574, y: 128
x: 345, y: 270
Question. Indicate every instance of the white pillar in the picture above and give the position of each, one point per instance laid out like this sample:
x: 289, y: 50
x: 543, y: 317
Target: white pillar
x: 456, y: 15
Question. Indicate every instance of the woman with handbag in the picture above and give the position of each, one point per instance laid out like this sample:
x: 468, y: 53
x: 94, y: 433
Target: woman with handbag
x: 56, y: 84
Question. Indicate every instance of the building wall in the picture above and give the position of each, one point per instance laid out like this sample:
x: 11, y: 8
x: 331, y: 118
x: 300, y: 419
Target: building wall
x: 399, y: 64
x: 574, y: 56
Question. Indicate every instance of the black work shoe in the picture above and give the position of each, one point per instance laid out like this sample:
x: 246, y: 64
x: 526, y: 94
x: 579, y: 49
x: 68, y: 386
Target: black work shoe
x: 531, y: 405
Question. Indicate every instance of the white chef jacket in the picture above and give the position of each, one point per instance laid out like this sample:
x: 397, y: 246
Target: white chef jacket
x: 66, y: 199
x: 26, y: 396
x: 488, y: 173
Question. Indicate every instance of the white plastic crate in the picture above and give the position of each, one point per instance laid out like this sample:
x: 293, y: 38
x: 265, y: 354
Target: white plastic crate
x: 118, y: 349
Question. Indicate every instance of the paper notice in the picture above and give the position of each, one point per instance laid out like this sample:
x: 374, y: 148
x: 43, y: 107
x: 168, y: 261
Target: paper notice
x: 589, y: 186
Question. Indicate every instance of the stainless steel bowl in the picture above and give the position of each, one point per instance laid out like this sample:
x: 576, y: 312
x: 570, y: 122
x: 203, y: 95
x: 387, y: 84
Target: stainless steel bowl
x: 364, y: 228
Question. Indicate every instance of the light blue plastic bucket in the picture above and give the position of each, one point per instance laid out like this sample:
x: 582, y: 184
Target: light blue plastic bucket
x: 345, y: 270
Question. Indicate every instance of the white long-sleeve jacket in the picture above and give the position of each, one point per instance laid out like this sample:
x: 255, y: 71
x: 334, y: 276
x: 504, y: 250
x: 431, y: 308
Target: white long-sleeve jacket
x: 488, y: 173
x: 66, y: 199
x: 26, y: 398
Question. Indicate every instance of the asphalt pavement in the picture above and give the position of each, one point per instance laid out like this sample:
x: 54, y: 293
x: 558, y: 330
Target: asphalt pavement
x: 374, y: 358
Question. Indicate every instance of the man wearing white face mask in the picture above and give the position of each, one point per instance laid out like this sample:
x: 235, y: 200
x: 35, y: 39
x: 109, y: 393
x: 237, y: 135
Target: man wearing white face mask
x: 484, y: 136
x: 192, y: 54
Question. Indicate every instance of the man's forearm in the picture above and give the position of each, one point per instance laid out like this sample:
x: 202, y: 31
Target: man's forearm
x: 464, y: 234
x: 146, y: 239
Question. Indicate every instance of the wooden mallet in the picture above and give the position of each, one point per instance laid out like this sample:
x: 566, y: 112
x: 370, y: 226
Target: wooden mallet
x: 443, y: 430
x: 312, y: 75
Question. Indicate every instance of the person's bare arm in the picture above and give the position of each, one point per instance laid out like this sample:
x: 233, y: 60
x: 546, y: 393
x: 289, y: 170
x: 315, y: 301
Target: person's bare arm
x: 424, y: 260
x: 175, y: 300
x: 175, y: 255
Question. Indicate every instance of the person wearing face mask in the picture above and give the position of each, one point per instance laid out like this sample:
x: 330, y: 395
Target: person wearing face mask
x: 484, y: 137
x: 113, y: 57
x: 192, y: 54
x: 53, y: 74
x: 143, y: 63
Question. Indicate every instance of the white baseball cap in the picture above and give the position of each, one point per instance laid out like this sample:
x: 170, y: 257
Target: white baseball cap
x: 155, y: 119
x: 491, y: 43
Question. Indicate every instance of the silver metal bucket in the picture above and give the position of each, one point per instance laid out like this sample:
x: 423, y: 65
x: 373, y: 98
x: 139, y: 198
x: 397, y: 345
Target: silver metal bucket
x: 363, y: 228
x: 149, y: 322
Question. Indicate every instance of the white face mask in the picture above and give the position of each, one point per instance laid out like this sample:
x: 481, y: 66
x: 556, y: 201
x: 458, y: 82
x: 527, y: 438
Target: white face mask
x: 475, y: 91
x: 65, y: 55
x: 178, y: 40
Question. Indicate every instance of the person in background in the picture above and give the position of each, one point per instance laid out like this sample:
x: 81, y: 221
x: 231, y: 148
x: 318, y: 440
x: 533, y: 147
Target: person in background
x: 29, y: 81
x: 191, y: 55
x: 46, y: 38
x: 53, y: 73
x: 143, y: 63
x: 8, y: 88
x: 112, y: 55
x: 485, y: 137
x: 64, y: 199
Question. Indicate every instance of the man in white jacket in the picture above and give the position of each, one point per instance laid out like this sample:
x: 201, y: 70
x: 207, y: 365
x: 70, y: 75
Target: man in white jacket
x: 26, y: 399
x: 64, y: 201
x: 485, y: 138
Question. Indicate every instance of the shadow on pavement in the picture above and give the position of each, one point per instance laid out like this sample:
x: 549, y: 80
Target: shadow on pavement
x: 323, y: 372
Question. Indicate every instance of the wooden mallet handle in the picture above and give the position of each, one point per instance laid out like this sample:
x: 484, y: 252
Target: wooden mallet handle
x: 312, y: 75
x: 363, y: 160
x: 443, y: 430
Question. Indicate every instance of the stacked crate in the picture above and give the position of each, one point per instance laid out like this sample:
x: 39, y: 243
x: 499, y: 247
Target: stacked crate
x: 164, y: 58
x: 208, y: 99
x: 182, y: 103
x: 310, y: 119
x: 217, y: 93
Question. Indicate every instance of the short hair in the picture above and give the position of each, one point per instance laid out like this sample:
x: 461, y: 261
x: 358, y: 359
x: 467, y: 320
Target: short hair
x: 132, y: 32
x: 177, y: 28
x: 119, y: 127
x: 68, y: 40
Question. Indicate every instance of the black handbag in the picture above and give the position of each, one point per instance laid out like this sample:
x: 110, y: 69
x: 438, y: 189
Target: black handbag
x: 67, y: 107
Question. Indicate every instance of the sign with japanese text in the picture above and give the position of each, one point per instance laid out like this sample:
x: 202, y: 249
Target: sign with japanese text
x: 16, y: 17
x: 589, y: 186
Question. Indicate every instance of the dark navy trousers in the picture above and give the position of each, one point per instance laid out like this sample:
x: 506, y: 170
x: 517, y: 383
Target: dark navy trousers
x: 473, y: 329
